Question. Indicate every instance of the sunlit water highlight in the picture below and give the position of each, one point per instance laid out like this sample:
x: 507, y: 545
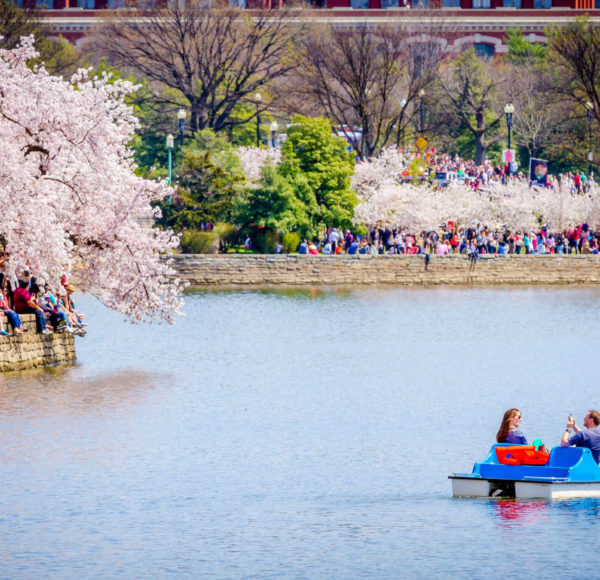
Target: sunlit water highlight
x: 299, y: 435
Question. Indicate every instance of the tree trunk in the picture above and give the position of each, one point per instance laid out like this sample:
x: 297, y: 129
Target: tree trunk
x: 480, y: 144
x: 480, y: 147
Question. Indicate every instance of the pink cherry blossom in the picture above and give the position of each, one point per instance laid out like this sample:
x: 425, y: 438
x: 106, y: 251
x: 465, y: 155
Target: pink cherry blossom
x: 71, y: 203
x: 385, y: 201
x: 253, y: 160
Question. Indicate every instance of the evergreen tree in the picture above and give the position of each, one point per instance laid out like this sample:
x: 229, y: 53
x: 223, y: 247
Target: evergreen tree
x: 320, y: 167
x: 272, y: 206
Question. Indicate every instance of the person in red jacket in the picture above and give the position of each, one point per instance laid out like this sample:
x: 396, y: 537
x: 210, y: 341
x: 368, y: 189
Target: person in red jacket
x: 25, y: 303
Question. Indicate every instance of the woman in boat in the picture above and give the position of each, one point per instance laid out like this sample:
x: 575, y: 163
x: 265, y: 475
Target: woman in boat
x: 509, y: 429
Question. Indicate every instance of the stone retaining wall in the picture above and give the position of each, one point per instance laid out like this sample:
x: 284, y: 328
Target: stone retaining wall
x: 32, y: 350
x: 203, y: 271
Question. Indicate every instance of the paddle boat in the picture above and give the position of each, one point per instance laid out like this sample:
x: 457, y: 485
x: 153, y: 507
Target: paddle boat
x: 525, y: 472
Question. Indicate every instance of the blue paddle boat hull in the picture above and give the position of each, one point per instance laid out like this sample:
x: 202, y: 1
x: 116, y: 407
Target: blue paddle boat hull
x: 570, y: 472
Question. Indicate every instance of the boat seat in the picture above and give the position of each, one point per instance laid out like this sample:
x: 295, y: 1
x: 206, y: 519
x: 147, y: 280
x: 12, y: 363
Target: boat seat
x: 565, y: 456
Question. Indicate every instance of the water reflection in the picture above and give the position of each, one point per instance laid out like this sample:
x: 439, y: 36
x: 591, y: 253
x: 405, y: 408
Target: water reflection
x: 512, y: 512
x: 509, y: 513
x: 289, y: 292
x: 588, y: 508
x: 67, y: 391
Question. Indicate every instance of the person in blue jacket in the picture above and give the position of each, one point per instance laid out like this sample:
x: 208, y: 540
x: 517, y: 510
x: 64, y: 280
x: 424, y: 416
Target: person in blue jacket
x: 588, y: 437
x: 509, y: 429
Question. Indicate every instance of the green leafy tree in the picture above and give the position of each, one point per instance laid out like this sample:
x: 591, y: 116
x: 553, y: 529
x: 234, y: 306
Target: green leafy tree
x: 272, y: 206
x: 209, y: 181
x: 16, y: 22
x: 319, y: 166
x: 522, y: 52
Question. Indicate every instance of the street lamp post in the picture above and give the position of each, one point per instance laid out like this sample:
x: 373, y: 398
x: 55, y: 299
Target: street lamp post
x: 422, y: 115
x: 170, y: 143
x: 509, y: 109
x: 590, y: 115
x: 403, y: 103
x: 258, y: 98
x: 181, y: 116
x: 274, y: 127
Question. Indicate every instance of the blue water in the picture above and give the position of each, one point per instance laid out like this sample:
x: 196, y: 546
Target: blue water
x: 299, y: 435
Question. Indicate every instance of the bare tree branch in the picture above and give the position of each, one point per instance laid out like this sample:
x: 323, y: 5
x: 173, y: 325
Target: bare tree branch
x: 216, y: 58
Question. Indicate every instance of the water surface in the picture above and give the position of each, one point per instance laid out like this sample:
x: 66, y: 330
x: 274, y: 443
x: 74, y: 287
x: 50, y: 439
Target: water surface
x: 299, y: 435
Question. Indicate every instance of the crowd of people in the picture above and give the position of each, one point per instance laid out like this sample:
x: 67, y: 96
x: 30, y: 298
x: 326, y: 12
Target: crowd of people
x: 451, y: 239
x: 454, y: 167
x: 54, y: 312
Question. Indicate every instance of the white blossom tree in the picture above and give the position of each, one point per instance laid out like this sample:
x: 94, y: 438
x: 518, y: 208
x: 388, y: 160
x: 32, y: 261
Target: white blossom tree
x: 253, y: 160
x: 385, y: 201
x: 71, y: 203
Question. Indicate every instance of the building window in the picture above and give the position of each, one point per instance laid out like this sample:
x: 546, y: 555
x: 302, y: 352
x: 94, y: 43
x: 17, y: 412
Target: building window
x: 481, y: 4
x: 454, y: 3
x: 360, y: 4
x: 390, y: 3
x: 540, y: 4
x: 420, y: 4
x: 483, y: 50
x: 512, y: 3
x: 87, y: 4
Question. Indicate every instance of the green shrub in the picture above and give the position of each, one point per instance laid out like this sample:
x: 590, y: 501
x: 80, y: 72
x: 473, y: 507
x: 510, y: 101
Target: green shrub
x: 228, y: 234
x: 290, y: 242
x: 264, y: 242
x: 195, y: 242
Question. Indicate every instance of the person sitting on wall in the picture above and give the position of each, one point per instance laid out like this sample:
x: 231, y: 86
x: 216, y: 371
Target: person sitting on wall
x: 25, y: 303
x: 75, y: 316
x: 303, y: 248
x: 11, y: 315
x: 54, y: 311
x: 588, y: 437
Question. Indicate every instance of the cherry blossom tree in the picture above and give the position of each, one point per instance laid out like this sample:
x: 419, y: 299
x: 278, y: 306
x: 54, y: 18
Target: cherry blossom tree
x: 385, y: 201
x: 71, y: 203
x: 254, y: 159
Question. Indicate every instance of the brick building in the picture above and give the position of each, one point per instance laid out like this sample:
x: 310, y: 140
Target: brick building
x: 478, y: 23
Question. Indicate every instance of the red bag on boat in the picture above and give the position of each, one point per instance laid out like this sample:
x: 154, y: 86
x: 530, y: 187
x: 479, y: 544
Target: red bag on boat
x: 521, y: 455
